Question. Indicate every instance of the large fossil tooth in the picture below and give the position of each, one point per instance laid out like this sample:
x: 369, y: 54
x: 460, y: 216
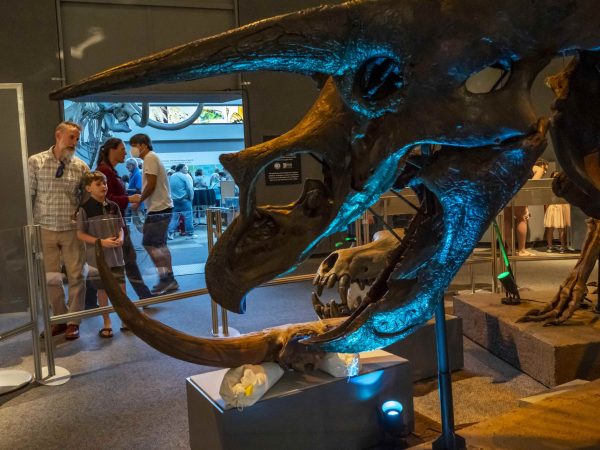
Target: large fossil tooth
x: 321, y: 286
x: 343, y: 287
x: 331, y: 280
x: 316, y: 301
x: 316, y: 279
x: 335, y: 312
x: 317, y: 305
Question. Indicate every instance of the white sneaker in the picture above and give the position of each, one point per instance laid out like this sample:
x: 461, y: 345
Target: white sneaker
x: 191, y: 236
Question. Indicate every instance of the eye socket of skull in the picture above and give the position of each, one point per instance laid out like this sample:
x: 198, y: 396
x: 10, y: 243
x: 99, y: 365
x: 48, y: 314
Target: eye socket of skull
x: 376, y: 87
x: 329, y: 262
x: 378, y: 78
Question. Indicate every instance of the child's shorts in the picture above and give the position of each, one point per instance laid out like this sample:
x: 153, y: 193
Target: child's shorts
x: 94, y: 276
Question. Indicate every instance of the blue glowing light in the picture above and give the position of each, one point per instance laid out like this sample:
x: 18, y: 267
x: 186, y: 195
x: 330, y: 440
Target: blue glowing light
x: 368, y: 379
x: 392, y: 408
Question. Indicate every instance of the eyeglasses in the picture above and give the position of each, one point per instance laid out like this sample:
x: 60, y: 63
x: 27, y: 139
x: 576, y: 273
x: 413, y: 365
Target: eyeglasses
x: 61, y: 170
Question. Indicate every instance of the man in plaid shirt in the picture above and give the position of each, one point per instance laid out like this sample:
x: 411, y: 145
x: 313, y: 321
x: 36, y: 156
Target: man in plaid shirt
x: 54, y: 183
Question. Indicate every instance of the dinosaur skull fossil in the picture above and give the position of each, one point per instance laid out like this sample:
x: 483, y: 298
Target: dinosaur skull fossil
x: 397, y: 73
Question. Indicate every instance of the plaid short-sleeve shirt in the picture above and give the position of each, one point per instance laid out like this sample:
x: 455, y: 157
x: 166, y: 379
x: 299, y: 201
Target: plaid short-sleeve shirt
x: 55, y: 199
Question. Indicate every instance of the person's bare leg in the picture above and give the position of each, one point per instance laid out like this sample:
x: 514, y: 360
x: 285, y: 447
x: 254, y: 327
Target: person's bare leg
x: 161, y: 257
x: 521, y: 227
x: 562, y: 233
x: 549, y: 236
x: 103, y: 301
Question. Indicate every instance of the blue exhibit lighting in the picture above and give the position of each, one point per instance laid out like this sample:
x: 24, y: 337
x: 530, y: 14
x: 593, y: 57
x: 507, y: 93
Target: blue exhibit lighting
x: 392, y: 408
x: 391, y: 418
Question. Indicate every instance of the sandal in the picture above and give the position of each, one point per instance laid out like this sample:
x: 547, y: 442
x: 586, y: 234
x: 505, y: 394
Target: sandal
x: 105, y: 333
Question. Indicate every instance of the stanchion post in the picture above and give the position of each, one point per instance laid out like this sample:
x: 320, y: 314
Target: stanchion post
x: 214, y: 218
x: 224, y: 320
x: 365, y: 228
x: 449, y: 440
x: 214, y: 312
x: 30, y: 250
x: 209, y: 228
x: 43, y: 292
x: 597, y: 308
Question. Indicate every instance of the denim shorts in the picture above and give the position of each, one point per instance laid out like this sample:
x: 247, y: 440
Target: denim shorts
x: 156, y: 228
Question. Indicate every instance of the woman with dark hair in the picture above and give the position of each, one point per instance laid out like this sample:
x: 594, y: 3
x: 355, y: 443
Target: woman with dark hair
x: 112, y: 153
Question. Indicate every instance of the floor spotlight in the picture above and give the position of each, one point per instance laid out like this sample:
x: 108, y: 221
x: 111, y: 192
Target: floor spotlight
x: 510, y: 286
x: 392, y: 418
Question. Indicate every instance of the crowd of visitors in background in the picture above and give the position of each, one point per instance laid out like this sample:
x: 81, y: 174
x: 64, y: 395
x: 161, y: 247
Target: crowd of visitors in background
x: 75, y: 206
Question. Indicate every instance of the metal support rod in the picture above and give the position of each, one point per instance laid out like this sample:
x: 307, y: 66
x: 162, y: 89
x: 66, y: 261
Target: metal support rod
x: 214, y: 313
x: 386, y: 226
x: 471, y: 275
x: 365, y: 229
x: 29, y: 237
x: 597, y: 308
x: 214, y: 218
x: 42, y: 289
x: 449, y: 440
x: 16, y: 331
x: 493, y: 245
x: 358, y: 231
x: 224, y: 322
x: 513, y: 232
x: 214, y: 308
x: 219, y: 223
x: 209, y: 229
x: 407, y: 201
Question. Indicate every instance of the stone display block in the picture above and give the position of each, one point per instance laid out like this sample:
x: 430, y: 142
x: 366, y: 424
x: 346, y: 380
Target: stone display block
x: 551, y: 355
x: 420, y: 348
x: 303, y: 411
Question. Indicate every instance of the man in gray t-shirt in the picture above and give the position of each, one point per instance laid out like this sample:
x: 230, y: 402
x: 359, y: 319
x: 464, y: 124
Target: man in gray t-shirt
x: 157, y: 196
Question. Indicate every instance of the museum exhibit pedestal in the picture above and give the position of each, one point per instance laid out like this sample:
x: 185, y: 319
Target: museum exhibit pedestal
x: 303, y: 410
x: 551, y: 355
x: 419, y: 348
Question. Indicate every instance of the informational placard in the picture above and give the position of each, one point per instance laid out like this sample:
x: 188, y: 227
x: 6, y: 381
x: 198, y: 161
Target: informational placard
x: 286, y: 170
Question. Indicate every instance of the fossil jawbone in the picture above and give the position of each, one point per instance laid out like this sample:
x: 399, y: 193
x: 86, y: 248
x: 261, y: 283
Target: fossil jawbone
x: 472, y: 186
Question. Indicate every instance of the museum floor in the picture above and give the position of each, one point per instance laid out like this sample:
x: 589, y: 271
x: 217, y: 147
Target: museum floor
x: 123, y: 394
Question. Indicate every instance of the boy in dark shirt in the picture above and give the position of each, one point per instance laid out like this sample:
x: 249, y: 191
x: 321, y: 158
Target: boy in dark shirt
x: 101, y: 218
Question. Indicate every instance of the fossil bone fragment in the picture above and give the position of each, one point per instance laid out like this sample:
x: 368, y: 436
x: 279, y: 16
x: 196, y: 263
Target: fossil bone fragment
x: 397, y: 72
